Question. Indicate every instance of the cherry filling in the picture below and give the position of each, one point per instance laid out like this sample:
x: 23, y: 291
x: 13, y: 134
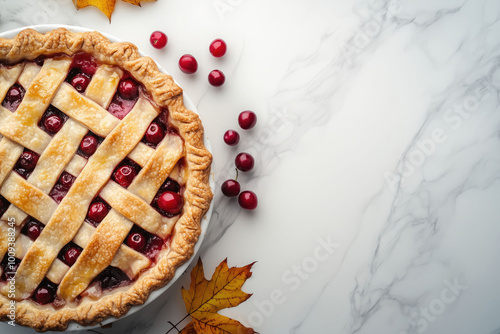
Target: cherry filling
x: 26, y: 163
x: 97, y: 211
x: 62, y: 186
x: 157, y: 130
x: 80, y: 82
x: 89, y: 145
x: 14, y: 97
x: 168, y: 200
x: 111, y: 278
x: 9, y: 267
x: 45, y: 293
x: 4, y: 205
x: 52, y: 120
x: 85, y: 63
x: 125, y: 97
x: 144, y: 242
x: 32, y: 228
x: 70, y: 253
x: 125, y: 172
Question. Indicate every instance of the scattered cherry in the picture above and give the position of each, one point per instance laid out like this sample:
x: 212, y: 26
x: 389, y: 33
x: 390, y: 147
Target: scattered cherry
x: 71, y: 255
x: 248, y: 200
x: 28, y: 160
x: 247, y: 119
x: 230, y: 188
x: 218, y: 48
x: 155, y: 133
x: 97, y: 211
x: 216, y: 78
x: 88, y: 145
x: 33, y: 229
x: 128, y: 89
x: 136, y: 241
x: 158, y: 39
x: 125, y: 175
x: 170, y: 202
x: 244, y: 162
x: 231, y: 137
x: 188, y: 64
x: 53, y: 123
x: 80, y: 82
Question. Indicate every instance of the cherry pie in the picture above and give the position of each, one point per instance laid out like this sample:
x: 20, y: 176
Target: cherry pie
x: 104, y: 178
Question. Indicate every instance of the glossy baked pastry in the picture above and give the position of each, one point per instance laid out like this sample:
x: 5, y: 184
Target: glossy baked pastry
x: 104, y: 178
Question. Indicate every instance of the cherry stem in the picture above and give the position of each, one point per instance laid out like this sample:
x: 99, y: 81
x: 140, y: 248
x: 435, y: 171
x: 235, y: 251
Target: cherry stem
x: 236, y: 178
x: 175, y: 326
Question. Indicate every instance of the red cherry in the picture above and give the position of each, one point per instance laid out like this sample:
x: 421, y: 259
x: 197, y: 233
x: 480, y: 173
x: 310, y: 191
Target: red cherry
x: 125, y: 175
x: 248, y: 200
x: 128, y: 89
x: 88, y: 145
x: 97, y: 211
x: 216, y: 78
x: 44, y: 295
x: 53, y: 123
x: 28, y: 160
x: 170, y: 185
x: 244, y: 162
x: 85, y: 63
x: 230, y: 188
x: 33, y: 229
x: 67, y: 180
x: 231, y: 137
x: 170, y: 202
x: 80, y: 82
x: 188, y: 64
x: 136, y: 241
x: 154, y: 134
x: 247, y: 119
x: 71, y: 255
x: 218, y: 48
x: 15, y: 94
x: 158, y: 39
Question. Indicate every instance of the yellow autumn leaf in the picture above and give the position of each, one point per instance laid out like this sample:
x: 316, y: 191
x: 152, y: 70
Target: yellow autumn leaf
x: 205, y: 298
x: 105, y: 6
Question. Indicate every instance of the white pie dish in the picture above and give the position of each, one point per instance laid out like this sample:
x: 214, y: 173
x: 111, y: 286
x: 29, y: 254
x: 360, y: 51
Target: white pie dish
x: 204, y: 223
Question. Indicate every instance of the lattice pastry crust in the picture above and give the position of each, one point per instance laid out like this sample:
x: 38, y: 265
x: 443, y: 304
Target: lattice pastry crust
x: 64, y: 222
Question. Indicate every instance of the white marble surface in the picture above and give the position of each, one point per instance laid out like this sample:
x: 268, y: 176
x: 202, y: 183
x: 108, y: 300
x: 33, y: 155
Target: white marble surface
x: 377, y: 147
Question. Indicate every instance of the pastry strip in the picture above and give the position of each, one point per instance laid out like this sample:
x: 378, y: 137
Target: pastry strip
x: 127, y: 259
x: 102, y: 87
x: 8, y: 77
x: 29, y: 73
x: 100, y: 251
x: 84, y: 110
x: 9, y: 154
x: 57, y: 155
x: 137, y: 210
x: 149, y: 180
x: 28, y: 198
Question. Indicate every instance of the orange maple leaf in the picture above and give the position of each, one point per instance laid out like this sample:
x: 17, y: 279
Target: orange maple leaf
x: 205, y: 298
x: 105, y: 6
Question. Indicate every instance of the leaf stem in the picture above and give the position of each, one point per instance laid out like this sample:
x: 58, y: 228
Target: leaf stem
x: 175, y: 326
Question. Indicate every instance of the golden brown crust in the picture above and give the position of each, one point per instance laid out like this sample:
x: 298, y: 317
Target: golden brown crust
x: 30, y: 44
